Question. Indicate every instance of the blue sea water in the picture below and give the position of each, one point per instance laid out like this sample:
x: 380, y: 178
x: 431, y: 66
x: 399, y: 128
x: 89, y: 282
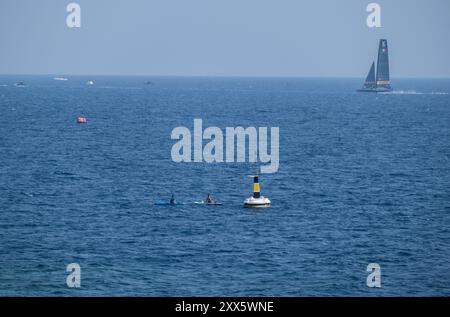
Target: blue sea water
x: 363, y: 178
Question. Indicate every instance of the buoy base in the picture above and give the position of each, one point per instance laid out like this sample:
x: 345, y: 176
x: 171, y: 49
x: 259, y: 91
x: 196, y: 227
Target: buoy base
x: 261, y: 202
x: 257, y: 206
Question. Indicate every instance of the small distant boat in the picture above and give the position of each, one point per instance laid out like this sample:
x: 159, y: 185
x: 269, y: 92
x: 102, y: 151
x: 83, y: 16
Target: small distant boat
x: 90, y: 82
x: 148, y: 83
x: 202, y: 202
x: 380, y: 82
x: 210, y: 200
x: 81, y: 120
x: 60, y: 78
x: 20, y: 84
x: 171, y: 202
x: 256, y: 201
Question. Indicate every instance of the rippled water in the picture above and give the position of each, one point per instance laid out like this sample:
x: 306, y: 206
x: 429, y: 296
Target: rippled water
x: 363, y: 178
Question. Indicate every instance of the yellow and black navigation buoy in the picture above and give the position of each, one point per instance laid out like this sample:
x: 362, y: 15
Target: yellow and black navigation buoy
x: 256, y: 201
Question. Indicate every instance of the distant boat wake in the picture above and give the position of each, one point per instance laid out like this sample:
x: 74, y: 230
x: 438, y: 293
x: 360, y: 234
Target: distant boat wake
x: 118, y: 87
x: 412, y: 92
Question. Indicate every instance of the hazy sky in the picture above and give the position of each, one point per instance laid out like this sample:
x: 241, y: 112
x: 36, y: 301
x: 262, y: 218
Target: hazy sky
x: 223, y: 37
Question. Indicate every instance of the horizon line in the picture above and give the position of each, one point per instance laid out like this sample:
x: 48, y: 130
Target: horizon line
x: 211, y: 76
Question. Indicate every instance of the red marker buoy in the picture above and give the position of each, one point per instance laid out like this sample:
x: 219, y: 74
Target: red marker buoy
x: 81, y: 120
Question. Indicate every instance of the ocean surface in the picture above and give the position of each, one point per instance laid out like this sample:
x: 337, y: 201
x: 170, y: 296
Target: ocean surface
x: 363, y: 178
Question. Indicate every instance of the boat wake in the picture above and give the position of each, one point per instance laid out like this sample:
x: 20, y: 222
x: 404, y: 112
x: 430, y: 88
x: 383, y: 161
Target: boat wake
x: 119, y: 87
x: 412, y: 92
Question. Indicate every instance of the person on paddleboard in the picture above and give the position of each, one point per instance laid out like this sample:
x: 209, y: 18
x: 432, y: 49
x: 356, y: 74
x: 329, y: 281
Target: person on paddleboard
x: 210, y: 199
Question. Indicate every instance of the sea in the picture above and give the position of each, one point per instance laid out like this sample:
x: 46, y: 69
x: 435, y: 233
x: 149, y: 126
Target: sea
x: 363, y: 179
